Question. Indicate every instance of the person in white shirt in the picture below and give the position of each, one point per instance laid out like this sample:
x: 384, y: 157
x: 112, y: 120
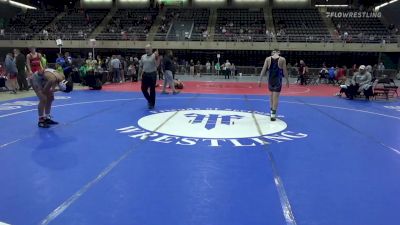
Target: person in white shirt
x: 148, y: 67
x: 208, y: 67
x: 116, y: 69
x: 381, y: 68
x: 227, y: 69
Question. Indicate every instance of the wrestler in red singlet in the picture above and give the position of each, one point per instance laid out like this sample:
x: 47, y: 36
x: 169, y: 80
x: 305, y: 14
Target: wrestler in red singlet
x: 34, y: 61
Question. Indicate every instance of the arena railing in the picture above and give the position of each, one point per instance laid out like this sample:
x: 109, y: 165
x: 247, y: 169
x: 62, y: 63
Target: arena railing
x: 384, y: 39
x: 255, y: 71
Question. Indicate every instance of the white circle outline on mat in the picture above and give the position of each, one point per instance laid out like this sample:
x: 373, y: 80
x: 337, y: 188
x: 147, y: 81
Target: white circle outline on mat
x: 184, y: 124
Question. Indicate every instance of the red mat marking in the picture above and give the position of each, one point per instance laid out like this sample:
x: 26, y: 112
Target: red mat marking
x: 209, y: 87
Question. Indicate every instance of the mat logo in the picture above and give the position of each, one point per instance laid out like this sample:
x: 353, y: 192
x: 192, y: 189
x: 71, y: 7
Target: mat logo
x: 212, y: 119
x: 397, y: 108
x: 212, y: 127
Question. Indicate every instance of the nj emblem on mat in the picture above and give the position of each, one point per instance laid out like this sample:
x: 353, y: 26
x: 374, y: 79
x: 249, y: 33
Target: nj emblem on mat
x: 212, y: 127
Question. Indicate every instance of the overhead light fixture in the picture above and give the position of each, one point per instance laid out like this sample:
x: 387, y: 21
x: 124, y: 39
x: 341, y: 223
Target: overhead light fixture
x: 333, y: 6
x: 21, y: 5
x: 385, y: 4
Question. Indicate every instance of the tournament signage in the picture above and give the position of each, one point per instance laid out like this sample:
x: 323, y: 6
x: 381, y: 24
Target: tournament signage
x: 212, y: 127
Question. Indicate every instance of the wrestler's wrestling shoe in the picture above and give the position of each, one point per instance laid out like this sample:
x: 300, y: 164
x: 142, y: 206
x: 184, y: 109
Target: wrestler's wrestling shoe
x: 43, y: 124
x: 273, y: 115
x: 51, y: 122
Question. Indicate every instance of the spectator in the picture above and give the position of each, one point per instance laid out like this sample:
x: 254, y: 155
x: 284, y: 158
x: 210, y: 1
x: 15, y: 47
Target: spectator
x: 353, y: 69
x: 160, y: 68
x: 176, y: 66
x: 132, y: 70
x: 345, y: 36
x: 124, y: 67
x: 45, y: 34
x: 59, y: 68
x: 303, y: 71
x: 20, y: 61
x: 331, y: 73
x: 205, y: 34
x: 323, y: 74
x: 227, y: 68
x: 11, y: 70
x: 100, y: 62
x: 208, y: 67
x: 136, y: 63
x: 217, y: 68
x: 60, y: 60
x: 191, y: 67
x: 341, y: 75
x: 233, y: 70
x: 375, y: 71
x: 116, y: 69
x: 198, y: 68
x: 381, y: 68
x: 369, y: 69
x: 361, y: 83
x: 169, y: 69
x: 223, y: 69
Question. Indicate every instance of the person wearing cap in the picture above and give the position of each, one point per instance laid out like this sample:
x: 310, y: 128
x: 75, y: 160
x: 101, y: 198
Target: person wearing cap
x: 276, y: 66
x: 360, y: 83
x: 148, y: 67
x: 44, y: 84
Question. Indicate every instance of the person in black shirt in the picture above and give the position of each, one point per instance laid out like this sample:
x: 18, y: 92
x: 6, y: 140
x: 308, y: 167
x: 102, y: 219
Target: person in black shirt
x: 169, y: 70
x: 303, y: 71
x: 176, y: 67
x: 20, y: 61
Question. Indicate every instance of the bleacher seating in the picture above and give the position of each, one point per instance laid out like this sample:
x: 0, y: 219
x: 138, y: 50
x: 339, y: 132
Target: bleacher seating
x: 299, y: 25
x: 240, y: 25
x: 199, y: 18
x: 77, y: 24
x: 28, y: 24
x: 359, y: 28
x: 129, y: 24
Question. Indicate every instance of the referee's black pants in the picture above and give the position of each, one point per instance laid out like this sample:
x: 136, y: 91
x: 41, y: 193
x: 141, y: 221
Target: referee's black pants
x: 149, y: 82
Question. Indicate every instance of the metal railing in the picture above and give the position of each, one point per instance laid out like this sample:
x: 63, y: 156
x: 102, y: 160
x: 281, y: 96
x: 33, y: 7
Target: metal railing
x: 255, y: 71
x: 383, y: 39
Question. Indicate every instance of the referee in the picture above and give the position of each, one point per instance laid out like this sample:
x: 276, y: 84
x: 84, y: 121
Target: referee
x: 148, y: 66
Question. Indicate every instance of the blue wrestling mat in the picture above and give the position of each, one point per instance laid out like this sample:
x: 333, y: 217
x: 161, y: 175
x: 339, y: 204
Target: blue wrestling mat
x: 200, y: 159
